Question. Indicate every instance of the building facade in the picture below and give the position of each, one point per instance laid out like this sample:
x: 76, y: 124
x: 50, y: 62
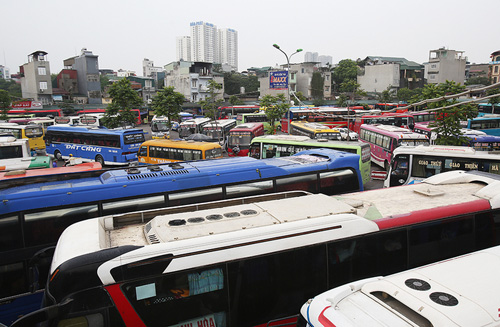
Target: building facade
x: 86, y: 66
x: 228, y: 47
x: 4, y: 72
x: 382, y: 73
x: 204, y: 42
x: 192, y: 79
x: 494, y: 72
x: 445, y: 65
x: 183, y: 48
x: 36, y: 82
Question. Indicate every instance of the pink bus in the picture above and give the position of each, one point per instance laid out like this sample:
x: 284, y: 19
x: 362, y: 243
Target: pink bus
x: 241, y: 136
x: 383, y: 139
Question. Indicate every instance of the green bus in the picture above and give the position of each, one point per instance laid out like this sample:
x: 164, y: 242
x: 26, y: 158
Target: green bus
x: 270, y: 146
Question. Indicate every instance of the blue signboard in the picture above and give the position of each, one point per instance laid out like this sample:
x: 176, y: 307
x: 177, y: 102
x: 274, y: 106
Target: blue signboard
x: 278, y: 80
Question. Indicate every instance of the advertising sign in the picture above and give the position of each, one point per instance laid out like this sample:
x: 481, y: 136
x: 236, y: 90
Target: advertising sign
x: 278, y: 80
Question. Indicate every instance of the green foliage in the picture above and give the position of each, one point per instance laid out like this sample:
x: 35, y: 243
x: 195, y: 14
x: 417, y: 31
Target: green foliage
x: 12, y: 87
x: 53, y: 78
x: 276, y: 107
x: 234, y: 100
x: 342, y: 100
x: 495, y: 100
x: 483, y: 80
x: 104, y: 82
x: 346, y: 70
x: 124, y: 98
x: 210, y: 106
x: 317, y: 83
x: 386, y: 96
x: 300, y: 96
x: 405, y: 94
x: 4, y: 104
x: 447, y: 125
x: 168, y: 103
x: 67, y: 107
x: 234, y: 81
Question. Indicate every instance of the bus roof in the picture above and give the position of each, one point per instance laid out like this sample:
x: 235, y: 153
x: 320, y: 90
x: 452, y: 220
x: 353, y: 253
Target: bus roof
x: 446, y: 150
x: 461, y: 291
x: 220, y: 122
x: 92, y: 129
x: 399, y: 132
x: 299, y: 139
x: 222, y: 223
x: 186, y: 144
x: 195, y: 121
x: 247, y: 126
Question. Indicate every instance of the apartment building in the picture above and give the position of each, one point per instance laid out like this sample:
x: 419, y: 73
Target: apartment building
x: 494, y: 73
x: 192, y: 78
x: 445, y: 65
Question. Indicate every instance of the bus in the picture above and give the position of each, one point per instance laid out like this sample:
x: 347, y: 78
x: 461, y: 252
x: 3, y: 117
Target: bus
x: 423, y: 116
x: 192, y: 126
x: 399, y: 120
x: 160, y: 128
x: 412, y: 164
x: 488, y: 108
x: 106, y: 146
x: 36, y: 210
x: 218, y: 130
x: 136, y: 112
x: 162, y: 150
x: 277, y: 146
x: 67, y: 120
x: 24, y: 173
x: 462, y: 291
x: 51, y: 113
x: 255, y: 261
x: 234, y: 111
x: 32, y: 132
x: 259, y: 117
x: 332, y: 117
x: 15, y: 154
x: 389, y: 106
x: 490, y: 124
x: 320, y: 131
x: 241, y: 136
x: 383, y: 139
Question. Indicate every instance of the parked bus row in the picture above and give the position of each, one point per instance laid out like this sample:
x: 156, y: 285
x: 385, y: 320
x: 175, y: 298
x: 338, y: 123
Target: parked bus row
x: 35, y: 210
x: 242, y: 262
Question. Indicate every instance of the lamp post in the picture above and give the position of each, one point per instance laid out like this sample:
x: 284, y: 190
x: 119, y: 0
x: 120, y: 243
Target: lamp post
x: 288, y: 83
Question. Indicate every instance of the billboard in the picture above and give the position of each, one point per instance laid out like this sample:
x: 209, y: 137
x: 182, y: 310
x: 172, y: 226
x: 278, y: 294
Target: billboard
x: 278, y: 80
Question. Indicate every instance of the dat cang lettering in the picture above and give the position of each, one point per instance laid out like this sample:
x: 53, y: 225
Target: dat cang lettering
x: 83, y: 148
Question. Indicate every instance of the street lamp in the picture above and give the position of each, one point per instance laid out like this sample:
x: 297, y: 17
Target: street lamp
x: 288, y: 84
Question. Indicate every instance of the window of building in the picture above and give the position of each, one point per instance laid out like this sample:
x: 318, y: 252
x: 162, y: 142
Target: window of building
x: 43, y: 85
x: 496, y: 69
x: 42, y: 71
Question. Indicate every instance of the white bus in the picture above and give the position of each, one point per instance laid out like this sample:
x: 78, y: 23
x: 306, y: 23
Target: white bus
x: 463, y: 291
x: 412, y: 164
x: 192, y: 126
x: 252, y: 260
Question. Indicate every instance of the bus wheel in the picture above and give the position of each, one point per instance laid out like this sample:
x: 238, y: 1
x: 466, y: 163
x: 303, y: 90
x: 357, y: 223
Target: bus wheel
x: 99, y: 159
x: 57, y: 155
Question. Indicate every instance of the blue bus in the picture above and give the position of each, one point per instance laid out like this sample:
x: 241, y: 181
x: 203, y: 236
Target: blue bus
x: 484, y: 142
x: 490, y: 124
x: 35, y: 211
x: 106, y: 146
x: 487, y: 108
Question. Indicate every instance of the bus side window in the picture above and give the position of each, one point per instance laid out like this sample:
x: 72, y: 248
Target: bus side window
x: 143, y: 151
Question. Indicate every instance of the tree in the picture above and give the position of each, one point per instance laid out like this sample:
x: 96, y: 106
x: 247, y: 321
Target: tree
x: 210, y: 106
x: 404, y: 94
x: 234, y: 100
x: 118, y: 111
x: 276, y: 107
x: 233, y: 82
x: 447, y: 124
x: 317, y: 83
x: 385, y: 96
x: 5, y: 101
x: 350, y: 88
x: 346, y: 70
x: 12, y: 87
x: 67, y: 107
x: 495, y: 100
x: 168, y: 103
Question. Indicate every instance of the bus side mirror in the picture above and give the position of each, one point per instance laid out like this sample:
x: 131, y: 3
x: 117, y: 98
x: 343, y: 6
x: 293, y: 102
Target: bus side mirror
x: 39, y: 266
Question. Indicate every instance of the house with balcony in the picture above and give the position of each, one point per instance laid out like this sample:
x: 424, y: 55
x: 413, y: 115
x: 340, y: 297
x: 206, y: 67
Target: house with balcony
x: 445, y: 65
x: 36, y: 82
x: 382, y: 73
x: 191, y: 78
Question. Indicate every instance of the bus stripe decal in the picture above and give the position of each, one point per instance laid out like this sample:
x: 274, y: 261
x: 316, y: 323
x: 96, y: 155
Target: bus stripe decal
x: 433, y: 214
x: 323, y: 320
x: 127, y: 312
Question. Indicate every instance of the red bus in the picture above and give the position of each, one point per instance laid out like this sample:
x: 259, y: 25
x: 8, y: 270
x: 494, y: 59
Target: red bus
x: 137, y: 113
x: 233, y: 111
x: 36, y: 112
x: 389, y: 106
x: 240, y: 138
x: 399, y: 120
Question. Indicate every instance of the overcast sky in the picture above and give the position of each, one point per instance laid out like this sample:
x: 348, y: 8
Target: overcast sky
x: 124, y: 32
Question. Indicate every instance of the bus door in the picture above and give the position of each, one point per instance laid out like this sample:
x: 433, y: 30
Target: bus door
x: 400, y: 167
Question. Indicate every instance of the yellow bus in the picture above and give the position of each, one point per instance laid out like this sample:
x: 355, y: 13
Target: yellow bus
x: 31, y: 132
x: 162, y: 150
x: 322, y: 131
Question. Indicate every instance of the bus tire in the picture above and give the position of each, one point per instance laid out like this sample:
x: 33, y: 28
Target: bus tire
x: 99, y: 159
x: 57, y: 155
